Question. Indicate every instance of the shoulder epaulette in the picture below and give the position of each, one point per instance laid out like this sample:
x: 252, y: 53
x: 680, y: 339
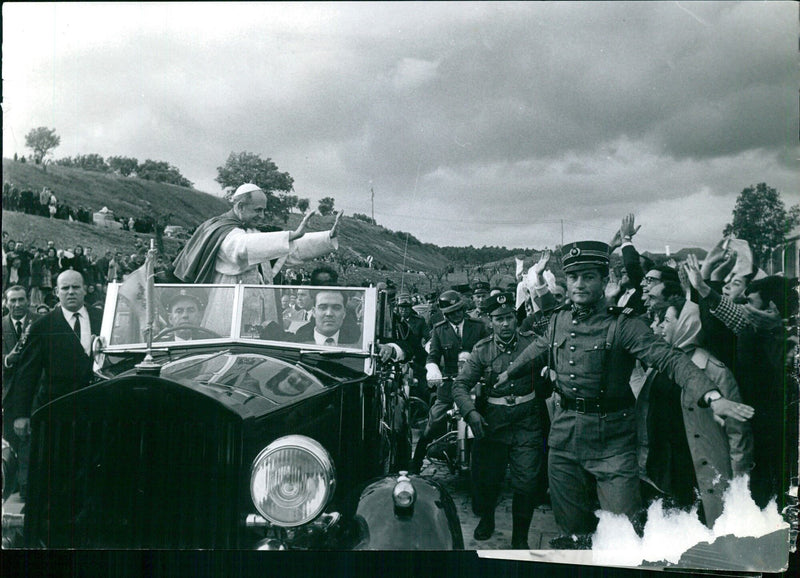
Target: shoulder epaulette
x: 620, y: 310
x: 484, y: 340
x: 527, y: 333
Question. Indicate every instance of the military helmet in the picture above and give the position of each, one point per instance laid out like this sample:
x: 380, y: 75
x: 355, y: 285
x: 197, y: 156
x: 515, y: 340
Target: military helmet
x: 450, y: 301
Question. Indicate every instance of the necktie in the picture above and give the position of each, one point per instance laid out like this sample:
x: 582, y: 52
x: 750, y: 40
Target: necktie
x: 18, y: 328
x: 77, y: 326
x: 330, y: 341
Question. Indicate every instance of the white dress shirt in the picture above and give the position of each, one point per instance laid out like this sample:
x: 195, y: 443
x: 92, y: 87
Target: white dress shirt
x: 86, y: 326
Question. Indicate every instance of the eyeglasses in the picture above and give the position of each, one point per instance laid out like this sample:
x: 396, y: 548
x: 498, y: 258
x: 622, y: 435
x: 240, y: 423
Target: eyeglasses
x: 652, y: 280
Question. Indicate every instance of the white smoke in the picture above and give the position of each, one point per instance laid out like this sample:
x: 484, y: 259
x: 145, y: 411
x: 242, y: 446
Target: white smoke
x: 669, y: 533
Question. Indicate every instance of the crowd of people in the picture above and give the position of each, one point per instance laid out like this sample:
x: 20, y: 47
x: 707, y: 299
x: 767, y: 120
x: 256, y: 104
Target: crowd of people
x: 666, y: 382
x: 46, y: 204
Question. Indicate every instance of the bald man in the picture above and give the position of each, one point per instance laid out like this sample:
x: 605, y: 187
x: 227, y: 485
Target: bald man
x: 56, y: 357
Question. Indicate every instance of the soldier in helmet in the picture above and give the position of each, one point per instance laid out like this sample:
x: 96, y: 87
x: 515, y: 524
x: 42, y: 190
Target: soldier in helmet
x: 591, y: 351
x: 455, y: 334
x: 506, y: 422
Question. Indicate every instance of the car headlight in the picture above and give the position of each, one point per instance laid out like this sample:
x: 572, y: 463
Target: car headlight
x: 292, y: 480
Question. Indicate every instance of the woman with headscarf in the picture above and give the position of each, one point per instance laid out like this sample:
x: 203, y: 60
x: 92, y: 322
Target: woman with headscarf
x: 690, y: 455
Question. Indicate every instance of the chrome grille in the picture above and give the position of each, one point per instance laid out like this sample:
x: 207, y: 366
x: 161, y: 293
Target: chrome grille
x: 135, y: 464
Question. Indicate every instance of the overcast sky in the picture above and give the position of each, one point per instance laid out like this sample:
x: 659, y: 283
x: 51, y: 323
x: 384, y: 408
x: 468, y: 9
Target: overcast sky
x: 482, y: 124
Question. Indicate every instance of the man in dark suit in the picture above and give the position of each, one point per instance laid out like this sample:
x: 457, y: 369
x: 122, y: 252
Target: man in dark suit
x: 55, y: 359
x: 455, y: 335
x: 328, y: 327
x: 15, y: 325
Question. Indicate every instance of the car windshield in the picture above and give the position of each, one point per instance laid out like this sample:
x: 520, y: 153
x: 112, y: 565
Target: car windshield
x: 325, y: 318
x: 266, y: 376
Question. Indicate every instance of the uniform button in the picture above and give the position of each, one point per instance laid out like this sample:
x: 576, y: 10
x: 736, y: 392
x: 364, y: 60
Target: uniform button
x: 572, y: 348
x: 572, y: 362
x: 704, y: 463
x: 572, y: 334
x: 574, y: 321
x: 574, y: 389
x: 691, y: 409
x: 572, y: 376
x: 696, y: 435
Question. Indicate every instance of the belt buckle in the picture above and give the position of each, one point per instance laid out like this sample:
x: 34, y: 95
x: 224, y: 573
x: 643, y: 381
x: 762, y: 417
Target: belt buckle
x: 580, y: 405
x: 511, y: 399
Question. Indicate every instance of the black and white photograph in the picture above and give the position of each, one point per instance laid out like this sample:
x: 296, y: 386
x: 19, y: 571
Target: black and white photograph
x: 514, y: 279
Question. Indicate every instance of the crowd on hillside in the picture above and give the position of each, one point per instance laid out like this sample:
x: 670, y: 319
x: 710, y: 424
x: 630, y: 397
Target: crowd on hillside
x: 46, y: 204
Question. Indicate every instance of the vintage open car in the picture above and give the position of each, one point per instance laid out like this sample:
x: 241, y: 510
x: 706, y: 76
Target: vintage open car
x: 219, y: 419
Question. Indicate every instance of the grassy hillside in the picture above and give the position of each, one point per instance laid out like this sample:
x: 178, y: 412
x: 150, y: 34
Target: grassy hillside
x: 126, y: 196
x: 130, y: 197
x: 65, y: 234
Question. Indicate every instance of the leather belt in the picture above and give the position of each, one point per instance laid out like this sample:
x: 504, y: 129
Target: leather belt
x: 594, y: 404
x: 510, y: 400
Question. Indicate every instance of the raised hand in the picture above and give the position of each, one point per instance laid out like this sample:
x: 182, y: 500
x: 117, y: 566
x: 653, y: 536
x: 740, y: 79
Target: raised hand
x: 692, y: 269
x: 628, y: 228
x: 722, y: 268
x: 334, y: 230
x: 541, y: 264
x: 616, y: 241
x: 301, y: 229
x: 714, y: 256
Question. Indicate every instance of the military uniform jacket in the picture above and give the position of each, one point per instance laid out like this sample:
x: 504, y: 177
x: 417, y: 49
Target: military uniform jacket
x: 487, y: 361
x: 410, y: 335
x: 593, y: 358
x: 445, y: 344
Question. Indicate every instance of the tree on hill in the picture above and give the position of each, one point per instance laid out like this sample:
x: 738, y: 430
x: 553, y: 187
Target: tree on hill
x: 123, y: 165
x: 162, y: 172
x: 303, y: 204
x: 245, y: 167
x: 91, y: 162
x: 326, y: 205
x: 41, y: 141
x: 761, y: 219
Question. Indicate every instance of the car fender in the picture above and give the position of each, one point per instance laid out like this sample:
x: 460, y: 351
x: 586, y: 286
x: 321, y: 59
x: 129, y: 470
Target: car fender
x: 430, y: 524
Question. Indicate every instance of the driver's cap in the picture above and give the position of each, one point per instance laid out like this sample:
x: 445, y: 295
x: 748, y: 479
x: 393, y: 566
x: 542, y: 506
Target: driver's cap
x: 173, y: 296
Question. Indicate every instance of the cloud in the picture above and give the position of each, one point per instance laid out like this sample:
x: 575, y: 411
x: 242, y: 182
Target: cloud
x: 462, y: 113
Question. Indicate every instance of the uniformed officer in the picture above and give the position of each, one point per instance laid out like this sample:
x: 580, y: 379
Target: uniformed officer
x: 455, y: 334
x: 591, y: 351
x: 411, y: 333
x: 480, y: 292
x: 507, y: 428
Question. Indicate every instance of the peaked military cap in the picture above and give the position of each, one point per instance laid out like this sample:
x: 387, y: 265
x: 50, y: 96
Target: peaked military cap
x: 500, y: 303
x: 584, y: 254
x: 480, y: 287
x: 174, y: 295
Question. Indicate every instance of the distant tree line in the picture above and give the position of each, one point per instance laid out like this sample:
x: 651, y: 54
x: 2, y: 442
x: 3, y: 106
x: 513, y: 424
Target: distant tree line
x: 149, y: 170
x: 485, y: 254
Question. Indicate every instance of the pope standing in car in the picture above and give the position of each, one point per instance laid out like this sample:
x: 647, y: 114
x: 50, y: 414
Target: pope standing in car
x: 507, y: 427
